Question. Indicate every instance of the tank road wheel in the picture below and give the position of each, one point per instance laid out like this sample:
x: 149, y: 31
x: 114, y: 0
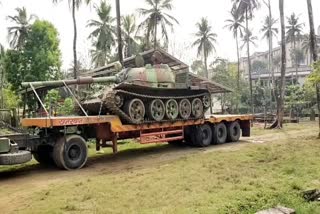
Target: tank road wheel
x: 157, y: 110
x: 206, y: 100
x: 220, y: 133
x: 197, y: 108
x: 118, y: 100
x: 70, y: 152
x: 234, y: 132
x: 185, y: 109
x: 172, y: 109
x: 136, y: 110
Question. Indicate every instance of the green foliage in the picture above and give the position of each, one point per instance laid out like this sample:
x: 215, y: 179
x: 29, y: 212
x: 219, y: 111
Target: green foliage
x: 198, y: 67
x: 314, y: 77
x: 295, y: 97
x: 10, y: 99
x: 53, y: 103
x: 39, y: 59
x: 67, y: 108
x: 42, y: 51
x: 226, y: 74
x: 52, y: 98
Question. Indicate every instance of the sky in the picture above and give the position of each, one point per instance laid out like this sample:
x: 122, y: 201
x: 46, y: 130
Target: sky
x: 187, y: 12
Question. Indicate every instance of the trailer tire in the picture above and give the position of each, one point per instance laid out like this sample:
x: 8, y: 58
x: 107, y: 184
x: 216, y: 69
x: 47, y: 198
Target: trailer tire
x: 15, y: 158
x: 70, y: 152
x: 43, y: 155
x: 234, y: 132
x: 220, y: 133
x: 202, y: 136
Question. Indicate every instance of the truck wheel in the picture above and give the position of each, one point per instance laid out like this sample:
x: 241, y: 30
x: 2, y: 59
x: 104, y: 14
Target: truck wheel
x: 234, y: 131
x: 220, y: 133
x: 202, y: 136
x: 15, y: 158
x: 44, y: 155
x: 70, y: 152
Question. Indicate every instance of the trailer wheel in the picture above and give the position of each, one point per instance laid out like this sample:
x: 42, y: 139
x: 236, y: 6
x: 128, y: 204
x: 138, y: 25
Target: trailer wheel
x: 15, y: 158
x: 234, y: 131
x: 44, y: 155
x: 202, y: 136
x: 70, y: 152
x: 220, y: 133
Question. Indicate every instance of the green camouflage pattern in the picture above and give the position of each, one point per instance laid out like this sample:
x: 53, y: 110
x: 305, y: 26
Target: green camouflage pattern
x: 4, y: 145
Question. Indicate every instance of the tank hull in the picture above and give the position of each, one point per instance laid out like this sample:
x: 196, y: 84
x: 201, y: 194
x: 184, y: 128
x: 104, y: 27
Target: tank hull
x: 135, y: 103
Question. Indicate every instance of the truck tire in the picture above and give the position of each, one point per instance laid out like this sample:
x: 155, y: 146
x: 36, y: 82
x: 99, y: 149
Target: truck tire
x: 220, y: 133
x: 70, y: 152
x: 15, y: 158
x: 202, y: 136
x: 44, y: 155
x: 234, y: 132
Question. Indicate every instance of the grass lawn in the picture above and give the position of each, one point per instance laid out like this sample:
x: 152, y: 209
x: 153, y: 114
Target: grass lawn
x: 244, y: 179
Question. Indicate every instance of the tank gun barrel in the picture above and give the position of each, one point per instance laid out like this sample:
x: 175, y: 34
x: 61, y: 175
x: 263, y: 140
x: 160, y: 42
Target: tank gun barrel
x: 78, y: 81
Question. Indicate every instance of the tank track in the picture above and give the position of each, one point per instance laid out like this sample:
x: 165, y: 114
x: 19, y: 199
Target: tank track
x: 109, y: 102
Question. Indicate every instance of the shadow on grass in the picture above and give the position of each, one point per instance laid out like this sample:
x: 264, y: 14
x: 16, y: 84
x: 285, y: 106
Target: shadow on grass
x: 122, y: 156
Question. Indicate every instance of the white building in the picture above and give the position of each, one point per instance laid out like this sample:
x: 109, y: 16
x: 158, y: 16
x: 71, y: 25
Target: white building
x: 260, y: 73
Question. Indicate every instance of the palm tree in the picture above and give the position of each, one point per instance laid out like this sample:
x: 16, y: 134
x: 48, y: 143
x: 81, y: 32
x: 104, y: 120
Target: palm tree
x: 129, y: 29
x: 2, y: 56
x: 19, y: 32
x: 280, y: 95
x: 246, y: 8
x: 294, y: 30
x: 269, y: 31
x: 75, y: 5
x: 205, y: 41
x: 235, y: 25
x: 102, y: 34
x: 314, y: 51
x: 156, y: 15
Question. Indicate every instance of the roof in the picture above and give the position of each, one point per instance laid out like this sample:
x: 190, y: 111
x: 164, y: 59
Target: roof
x: 212, y: 86
x: 175, y: 64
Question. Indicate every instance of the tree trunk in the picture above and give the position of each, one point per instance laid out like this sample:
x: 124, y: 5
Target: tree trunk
x: 119, y: 32
x: 155, y: 29
x: 205, y: 63
x: 313, y: 50
x: 75, y: 60
x: 295, y: 59
x: 280, y: 108
x: 249, y: 64
x: 238, y: 55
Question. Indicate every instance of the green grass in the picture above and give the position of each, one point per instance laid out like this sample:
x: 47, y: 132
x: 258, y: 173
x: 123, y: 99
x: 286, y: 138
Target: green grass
x: 256, y: 177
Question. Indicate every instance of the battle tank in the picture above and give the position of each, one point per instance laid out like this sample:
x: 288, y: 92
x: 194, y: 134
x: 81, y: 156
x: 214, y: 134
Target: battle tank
x: 144, y: 94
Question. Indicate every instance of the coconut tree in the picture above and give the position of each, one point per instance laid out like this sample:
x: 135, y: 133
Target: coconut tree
x: 2, y: 55
x: 269, y: 31
x: 102, y: 34
x: 280, y: 93
x: 314, y: 51
x: 18, y: 33
x: 157, y: 15
x: 74, y: 5
x: 236, y: 27
x: 129, y: 29
x: 205, y: 41
x: 294, y: 30
x: 246, y: 8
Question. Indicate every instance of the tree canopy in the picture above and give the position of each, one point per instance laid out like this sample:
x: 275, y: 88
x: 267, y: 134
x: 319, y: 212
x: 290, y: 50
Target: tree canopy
x: 40, y: 59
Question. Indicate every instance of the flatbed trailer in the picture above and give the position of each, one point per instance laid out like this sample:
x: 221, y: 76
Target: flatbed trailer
x: 62, y: 140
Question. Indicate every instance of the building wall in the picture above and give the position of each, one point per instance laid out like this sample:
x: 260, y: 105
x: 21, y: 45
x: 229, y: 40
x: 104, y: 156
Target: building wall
x: 304, y: 68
